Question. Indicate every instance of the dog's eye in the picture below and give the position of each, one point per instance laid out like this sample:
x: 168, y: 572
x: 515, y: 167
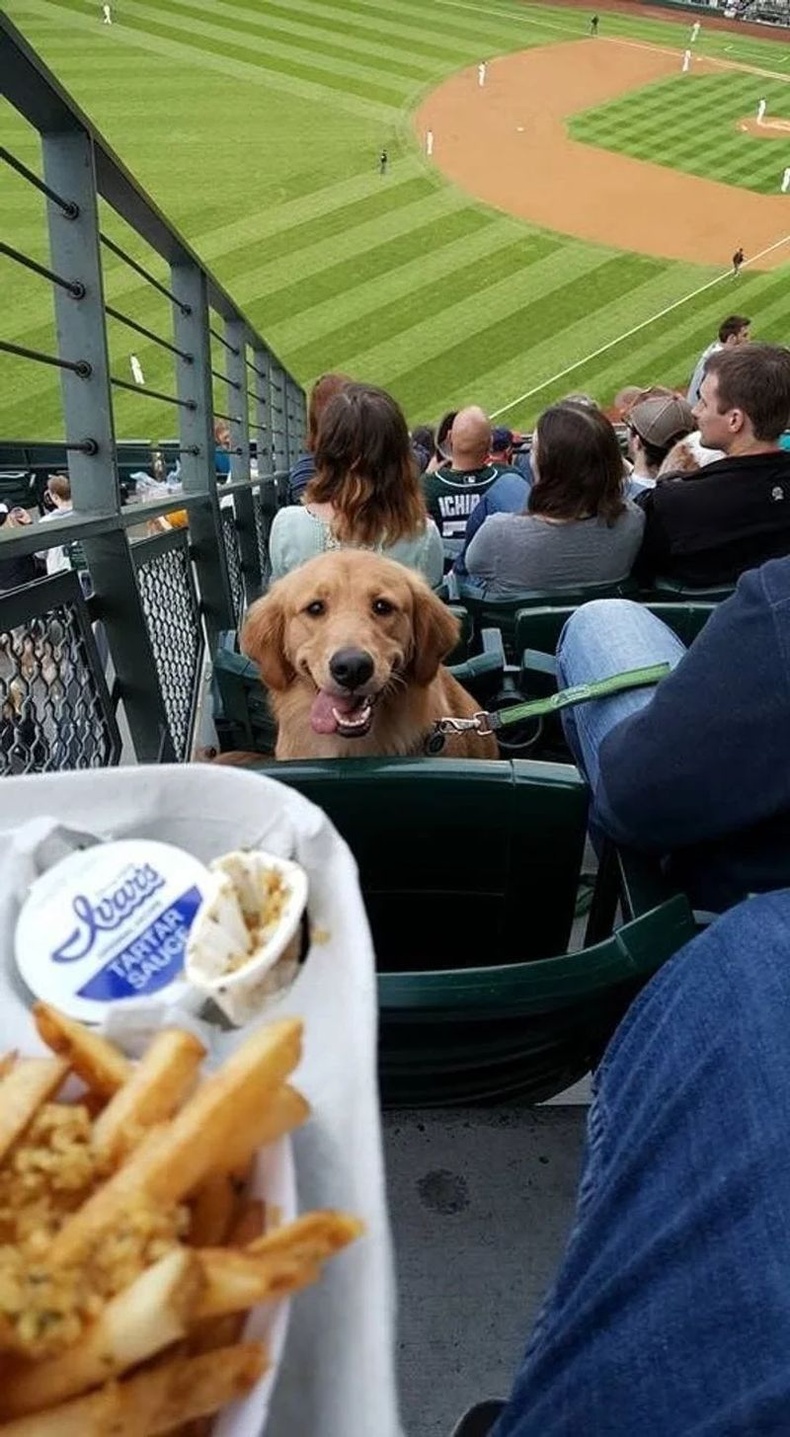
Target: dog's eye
x: 382, y: 607
x: 316, y: 608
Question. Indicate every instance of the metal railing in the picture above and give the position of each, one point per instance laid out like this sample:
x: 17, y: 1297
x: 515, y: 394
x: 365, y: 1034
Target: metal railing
x: 159, y: 599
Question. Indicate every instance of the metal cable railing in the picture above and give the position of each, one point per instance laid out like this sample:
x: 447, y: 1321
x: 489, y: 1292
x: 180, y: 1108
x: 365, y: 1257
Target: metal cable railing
x: 161, y: 602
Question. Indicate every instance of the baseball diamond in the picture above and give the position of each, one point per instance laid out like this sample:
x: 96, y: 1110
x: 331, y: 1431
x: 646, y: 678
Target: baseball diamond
x: 573, y: 222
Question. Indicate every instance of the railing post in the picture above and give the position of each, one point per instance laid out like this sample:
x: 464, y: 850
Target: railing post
x: 69, y: 169
x: 191, y: 331
x: 295, y: 415
x: 263, y: 412
x: 277, y: 390
x: 243, y: 503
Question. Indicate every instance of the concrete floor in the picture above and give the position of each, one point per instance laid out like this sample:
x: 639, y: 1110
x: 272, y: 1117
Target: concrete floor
x: 481, y: 1201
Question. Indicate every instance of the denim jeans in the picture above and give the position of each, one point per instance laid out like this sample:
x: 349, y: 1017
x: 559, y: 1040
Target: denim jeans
x: 605, y: 637
x: 670, y: 1316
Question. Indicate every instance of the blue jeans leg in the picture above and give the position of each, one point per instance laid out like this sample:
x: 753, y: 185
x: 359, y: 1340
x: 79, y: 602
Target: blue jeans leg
x: 605, y: 637
x: 670, y: 1315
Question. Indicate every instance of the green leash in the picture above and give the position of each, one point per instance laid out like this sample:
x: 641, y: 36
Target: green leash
x: 486, y: 723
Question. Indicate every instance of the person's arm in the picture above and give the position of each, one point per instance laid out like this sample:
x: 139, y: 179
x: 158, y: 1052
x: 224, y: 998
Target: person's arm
x: 708, y: 755
x: 654, y: 552
x: 279, y: 557
x: 433, y: 555
x: 482, y: 555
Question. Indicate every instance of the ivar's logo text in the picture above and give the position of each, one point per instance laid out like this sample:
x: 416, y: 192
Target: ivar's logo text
x: 110, y: 912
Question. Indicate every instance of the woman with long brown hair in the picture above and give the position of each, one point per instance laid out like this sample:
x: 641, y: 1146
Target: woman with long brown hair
x: 365, y: 492
x: 324, y: 389
x: 577, y: 528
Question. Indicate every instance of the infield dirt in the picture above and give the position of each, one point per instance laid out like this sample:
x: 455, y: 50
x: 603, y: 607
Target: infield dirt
x: 507, y: 144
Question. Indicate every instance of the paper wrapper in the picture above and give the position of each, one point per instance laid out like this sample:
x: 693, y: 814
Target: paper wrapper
x: 336, y: 1377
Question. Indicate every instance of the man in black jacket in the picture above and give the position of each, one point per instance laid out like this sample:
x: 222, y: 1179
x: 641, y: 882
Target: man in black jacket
x: 707, y: 528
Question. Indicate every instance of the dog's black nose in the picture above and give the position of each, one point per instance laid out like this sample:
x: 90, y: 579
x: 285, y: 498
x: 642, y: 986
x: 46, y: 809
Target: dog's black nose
x: 351, y: 667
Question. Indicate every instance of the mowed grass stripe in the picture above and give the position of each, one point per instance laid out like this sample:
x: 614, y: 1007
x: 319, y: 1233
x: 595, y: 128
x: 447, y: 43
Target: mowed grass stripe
x: 342, y: 220
x: 665, y: 351
x: 311, y: 207
x: 480, y: 322
x: 293, y: 298
x: 304, y: 64
x: 364, y: 302
x: 505, y: 30
x: 400, y: 225
x: 423, y: 303
x: 470, y: 357
x: 452, y: 26
x: 562, y: 351
x: 282, y: 19
x: 274, y: 77
x: 551, y: 351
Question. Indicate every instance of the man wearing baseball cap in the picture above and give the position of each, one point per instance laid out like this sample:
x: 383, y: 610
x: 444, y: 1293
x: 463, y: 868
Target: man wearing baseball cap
x: 654, y: 423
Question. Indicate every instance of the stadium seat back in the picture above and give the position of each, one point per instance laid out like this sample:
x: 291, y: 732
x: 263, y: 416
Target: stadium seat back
x: 462, y: 863
x: 501, y: 614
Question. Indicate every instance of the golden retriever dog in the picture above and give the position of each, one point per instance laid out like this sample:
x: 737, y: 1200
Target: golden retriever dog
x: 350, y: 646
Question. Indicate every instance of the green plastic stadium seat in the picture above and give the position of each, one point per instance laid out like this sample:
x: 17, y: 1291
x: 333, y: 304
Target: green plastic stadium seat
x: 461, y: 650
x: 501, y: 614
x: 540, y: 628
x: 669, y: 590
x: 470, y: 872
x: 241, y: 712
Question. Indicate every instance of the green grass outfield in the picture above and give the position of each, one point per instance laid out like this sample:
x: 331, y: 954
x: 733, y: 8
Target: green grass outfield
x: 256, y: 126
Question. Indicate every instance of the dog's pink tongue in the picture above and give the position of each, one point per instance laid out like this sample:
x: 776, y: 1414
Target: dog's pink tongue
x: 322, y: 719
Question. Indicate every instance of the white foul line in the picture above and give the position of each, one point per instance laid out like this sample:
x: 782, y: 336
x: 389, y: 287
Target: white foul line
x: 495, y: 413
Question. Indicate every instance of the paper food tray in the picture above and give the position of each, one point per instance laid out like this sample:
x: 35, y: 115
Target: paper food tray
x: 275, y: 1182
x: 332, y: 1356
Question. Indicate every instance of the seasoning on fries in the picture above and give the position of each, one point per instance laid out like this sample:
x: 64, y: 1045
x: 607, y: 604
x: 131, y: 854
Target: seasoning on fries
x: 130, y: 1248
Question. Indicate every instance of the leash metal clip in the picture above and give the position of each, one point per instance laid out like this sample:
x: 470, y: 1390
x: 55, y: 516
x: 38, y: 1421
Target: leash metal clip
x: 480, y: 722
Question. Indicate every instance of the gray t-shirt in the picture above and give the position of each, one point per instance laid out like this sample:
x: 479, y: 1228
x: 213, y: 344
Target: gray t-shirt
x: 513, y: 552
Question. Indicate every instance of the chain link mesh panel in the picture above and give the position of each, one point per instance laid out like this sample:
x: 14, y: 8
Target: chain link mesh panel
x: 233, y: 555
x: 55, y: 710
x: 172, y: 611
x: 263, y: 524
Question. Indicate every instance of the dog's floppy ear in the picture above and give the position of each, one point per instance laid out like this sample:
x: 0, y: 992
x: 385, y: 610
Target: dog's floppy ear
x: 435, y: 635
x: 263, y: 639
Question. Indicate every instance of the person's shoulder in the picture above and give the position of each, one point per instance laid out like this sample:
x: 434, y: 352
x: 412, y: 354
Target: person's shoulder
x: 290, y: 520
x: 496, y: 525
x: 303, y: 468
x: 508, y: 481
x: 771, y: 581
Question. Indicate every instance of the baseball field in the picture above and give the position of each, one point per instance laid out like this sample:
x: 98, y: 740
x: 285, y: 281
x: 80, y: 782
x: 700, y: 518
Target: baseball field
x: 572, y: 228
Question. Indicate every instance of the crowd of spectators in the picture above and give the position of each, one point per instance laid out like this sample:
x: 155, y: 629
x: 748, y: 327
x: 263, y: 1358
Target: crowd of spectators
x: 692, y: 490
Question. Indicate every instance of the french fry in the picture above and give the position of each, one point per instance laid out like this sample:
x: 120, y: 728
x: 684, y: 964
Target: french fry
x: 176, y: 1157
x: 250, y: 1223
x: 222, y: 1331
x: 282, y: 1261
x: 315, y: 1235
x: 142, y: 1320
x: 29, y: 1083
x: 164, y: 1352
x: 154, y: 1401
x: 213, y: 1210
x: 160, y: 1083
x: 102, y: 1067
x: 284, y: 1111
x: 237, y: 1281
